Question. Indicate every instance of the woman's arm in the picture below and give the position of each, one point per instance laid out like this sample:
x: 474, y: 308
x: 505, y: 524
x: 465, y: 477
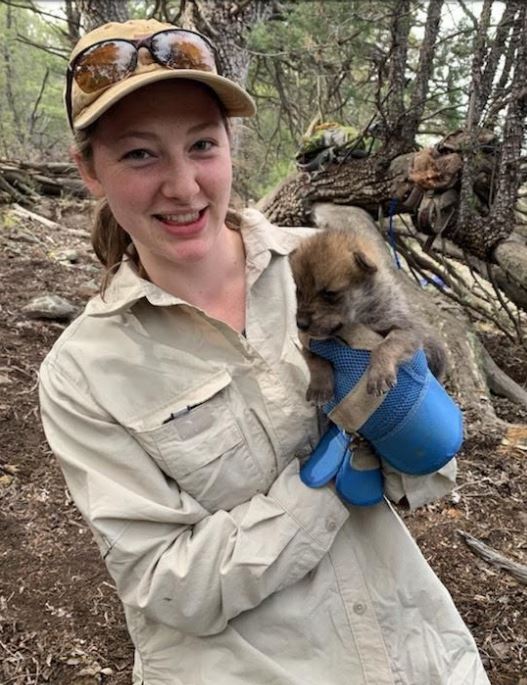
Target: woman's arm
x: 168, y: 555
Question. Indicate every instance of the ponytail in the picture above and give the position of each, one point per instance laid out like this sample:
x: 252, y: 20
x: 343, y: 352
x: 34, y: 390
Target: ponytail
x: 109, y: 241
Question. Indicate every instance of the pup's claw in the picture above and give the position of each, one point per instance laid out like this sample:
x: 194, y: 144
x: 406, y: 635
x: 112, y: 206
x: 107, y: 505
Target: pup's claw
x: 319, y: 395
x: 380, y: 383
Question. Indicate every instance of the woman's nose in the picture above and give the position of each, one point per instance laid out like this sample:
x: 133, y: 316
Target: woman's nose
x: 180, y: 180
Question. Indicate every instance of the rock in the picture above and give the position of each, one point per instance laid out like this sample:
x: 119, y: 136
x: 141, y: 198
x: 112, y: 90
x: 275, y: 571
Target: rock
x: 5, y: 480
x: 50, y: 307
x: 68, y: 255
x: 7, y: 474
x: 88, y: 289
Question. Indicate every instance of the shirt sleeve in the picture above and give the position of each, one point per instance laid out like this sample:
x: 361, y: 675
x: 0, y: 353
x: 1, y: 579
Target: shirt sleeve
x: 168, y: 556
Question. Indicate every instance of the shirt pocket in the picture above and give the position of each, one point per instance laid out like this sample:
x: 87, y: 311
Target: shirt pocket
x: 202, y: 447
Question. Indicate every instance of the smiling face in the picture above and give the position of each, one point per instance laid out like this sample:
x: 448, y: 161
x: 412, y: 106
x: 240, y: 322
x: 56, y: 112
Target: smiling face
x: 161, y: 157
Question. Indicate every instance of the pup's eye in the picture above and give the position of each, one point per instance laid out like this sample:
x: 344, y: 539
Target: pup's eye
x: 330, y: 296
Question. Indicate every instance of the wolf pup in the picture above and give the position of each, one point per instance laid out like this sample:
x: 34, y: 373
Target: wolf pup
x: 344, y: 278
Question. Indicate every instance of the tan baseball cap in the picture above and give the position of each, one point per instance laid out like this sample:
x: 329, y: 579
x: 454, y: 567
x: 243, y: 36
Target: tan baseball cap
x: 87, y: 107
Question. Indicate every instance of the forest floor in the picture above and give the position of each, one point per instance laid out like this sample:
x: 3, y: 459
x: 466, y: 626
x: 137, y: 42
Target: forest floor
x: 60, y: 621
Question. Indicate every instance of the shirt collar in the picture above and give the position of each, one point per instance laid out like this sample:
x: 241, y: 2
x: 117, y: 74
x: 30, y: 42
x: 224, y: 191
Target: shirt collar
x: 261, y: 239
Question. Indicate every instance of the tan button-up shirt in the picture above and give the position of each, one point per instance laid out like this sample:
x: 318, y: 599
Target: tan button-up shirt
x: 180, y: 442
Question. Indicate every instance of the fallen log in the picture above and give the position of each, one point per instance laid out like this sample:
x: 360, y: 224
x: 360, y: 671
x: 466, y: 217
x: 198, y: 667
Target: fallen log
x: 387, y: 189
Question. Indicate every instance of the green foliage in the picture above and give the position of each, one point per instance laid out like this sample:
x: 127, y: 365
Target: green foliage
x: 329, y: 61
x: 327, y: 134
x: 314, y: 62
x: 27, y: 71
x: 319, y: 60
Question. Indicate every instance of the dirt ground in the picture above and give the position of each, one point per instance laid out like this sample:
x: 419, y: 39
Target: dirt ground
x: 60, y: 621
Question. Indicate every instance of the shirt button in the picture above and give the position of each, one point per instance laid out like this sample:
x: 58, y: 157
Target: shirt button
x: 331, y: 525
x: 359, y: 608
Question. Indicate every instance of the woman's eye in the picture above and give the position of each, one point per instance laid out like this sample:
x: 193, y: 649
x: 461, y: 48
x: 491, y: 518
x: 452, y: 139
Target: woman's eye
x: 138, y: 155
x: 203, y: 145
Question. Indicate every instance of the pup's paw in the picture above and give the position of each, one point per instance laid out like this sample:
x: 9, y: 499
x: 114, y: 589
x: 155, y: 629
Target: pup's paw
x: 319, y: 394
x: 380, y: 381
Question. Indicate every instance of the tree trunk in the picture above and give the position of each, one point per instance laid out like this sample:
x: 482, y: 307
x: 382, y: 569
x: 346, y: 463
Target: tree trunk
x: 424, y: 72
x: 391, y: 108
x: 73, y: 18
x: 10, y: 79
x: 226, y: 24
x: 97, y: 12
x: 361, y: 182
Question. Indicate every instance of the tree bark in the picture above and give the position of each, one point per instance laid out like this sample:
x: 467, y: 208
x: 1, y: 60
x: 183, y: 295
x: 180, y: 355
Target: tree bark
x: 227, y: 24
x: 10, y: 79
x: 424, y: 72
x: 513, y: 132
x: 73, y: 18
x: 366, y: 183
x: 97, y: 12
x: 391, y: 108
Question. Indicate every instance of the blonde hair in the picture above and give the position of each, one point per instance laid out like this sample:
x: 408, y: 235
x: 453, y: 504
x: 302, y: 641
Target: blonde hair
x: 109, y: 240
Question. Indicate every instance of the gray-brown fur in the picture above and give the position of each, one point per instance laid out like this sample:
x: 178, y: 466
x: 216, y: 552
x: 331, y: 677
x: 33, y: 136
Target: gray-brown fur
x: 344, y: 278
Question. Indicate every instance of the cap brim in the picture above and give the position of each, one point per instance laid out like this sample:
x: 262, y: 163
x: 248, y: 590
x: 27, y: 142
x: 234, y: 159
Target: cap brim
x: 235, y: 100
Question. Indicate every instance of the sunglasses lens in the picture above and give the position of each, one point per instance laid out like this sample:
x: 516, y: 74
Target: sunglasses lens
x: 104, y: 64
x: 181, y: 50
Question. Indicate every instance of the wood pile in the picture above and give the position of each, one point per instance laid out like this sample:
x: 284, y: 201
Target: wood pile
x: 26, y: 182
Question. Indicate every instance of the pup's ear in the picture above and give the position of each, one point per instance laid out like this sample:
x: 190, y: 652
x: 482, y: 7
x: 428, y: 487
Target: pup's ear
x: 364, y: 263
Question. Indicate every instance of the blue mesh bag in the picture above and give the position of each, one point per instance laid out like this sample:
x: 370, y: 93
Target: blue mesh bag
x: 417, y: 428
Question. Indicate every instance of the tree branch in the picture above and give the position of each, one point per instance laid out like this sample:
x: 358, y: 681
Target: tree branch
x: 33, y: 116
x: 519, y: 571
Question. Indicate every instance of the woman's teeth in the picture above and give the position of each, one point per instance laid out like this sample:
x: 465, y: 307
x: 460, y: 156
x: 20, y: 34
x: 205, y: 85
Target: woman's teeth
x: 188, y: 218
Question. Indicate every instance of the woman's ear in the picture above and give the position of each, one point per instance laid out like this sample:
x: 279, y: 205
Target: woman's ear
x: 87, y: 173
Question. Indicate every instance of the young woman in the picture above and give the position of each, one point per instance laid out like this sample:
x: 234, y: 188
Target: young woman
x: 175, y: 404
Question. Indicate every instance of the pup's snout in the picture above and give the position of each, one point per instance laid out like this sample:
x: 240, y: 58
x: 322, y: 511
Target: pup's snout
x: 302, y: 323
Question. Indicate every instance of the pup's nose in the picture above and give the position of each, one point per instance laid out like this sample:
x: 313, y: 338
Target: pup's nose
x: 302, y: 324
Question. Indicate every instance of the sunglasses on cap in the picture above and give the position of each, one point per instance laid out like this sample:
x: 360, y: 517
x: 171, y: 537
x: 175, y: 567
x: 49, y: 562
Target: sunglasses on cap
x: 109, y: 61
